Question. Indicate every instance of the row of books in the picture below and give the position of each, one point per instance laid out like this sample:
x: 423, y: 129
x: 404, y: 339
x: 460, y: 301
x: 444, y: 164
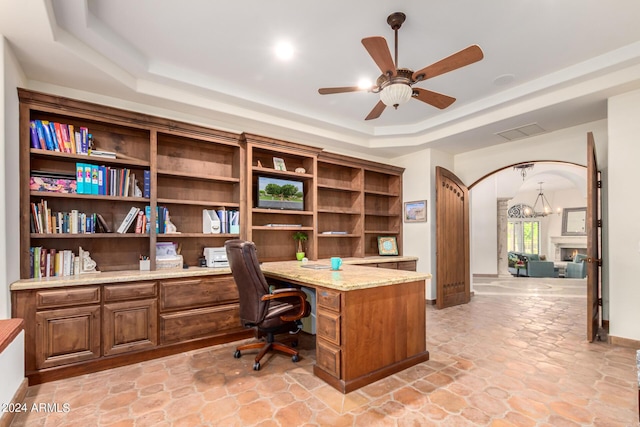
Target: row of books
x: 54, y: 136
x: 43, y: 220
x: 135, y: 216
x: 51, y: 262
x: 142, y: 220
x: 108, y: 181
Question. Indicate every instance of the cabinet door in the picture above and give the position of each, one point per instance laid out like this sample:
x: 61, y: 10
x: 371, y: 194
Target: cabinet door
x: 67, y: 335
x: 130, y: 326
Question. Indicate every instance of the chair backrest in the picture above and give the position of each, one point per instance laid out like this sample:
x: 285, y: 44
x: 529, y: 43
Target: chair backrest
x: 252, y: 285
x: 579, y: 258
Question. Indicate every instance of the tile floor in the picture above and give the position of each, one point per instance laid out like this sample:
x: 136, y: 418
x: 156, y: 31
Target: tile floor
x: 501, y: 360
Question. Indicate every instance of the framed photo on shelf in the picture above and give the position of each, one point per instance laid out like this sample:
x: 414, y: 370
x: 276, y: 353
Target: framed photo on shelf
x: 415, y: 211
x: 278, y: 164
x: 387, y: 245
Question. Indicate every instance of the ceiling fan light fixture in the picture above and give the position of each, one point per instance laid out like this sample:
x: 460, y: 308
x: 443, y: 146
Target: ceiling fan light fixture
x: 396, y: 94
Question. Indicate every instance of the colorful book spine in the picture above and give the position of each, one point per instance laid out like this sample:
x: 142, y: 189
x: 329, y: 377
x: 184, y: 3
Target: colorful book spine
x: 58, y: 134
x: 146, y: 185
x: 87, y: 178
x: 35, y: 141
x: 80, y: 178
x: 94, y: 179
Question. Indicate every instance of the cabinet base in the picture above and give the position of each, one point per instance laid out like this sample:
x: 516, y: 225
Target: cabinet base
x: 347, y: 386
x: 109, y: 362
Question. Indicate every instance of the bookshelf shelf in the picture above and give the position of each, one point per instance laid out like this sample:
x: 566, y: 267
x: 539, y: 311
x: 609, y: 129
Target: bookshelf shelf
x: 196, y: 235
x: 281, y: 228
x: 70, y: 157
x: 280, y: 212
x: 54, y: 195
x: 202, y: 203
x: 196, y: 176
x: 278, y: 173
x: 88, y: 235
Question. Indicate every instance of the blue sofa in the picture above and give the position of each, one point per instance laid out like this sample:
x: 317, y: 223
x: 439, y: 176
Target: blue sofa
x: 533, y: 266
x: 577, y: 269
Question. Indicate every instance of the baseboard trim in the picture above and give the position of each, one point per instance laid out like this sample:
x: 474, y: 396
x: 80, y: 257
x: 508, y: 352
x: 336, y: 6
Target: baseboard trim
x: 18, y: 397
x: 624, y: 342
x: 431, y: 302
x: 487, y: 275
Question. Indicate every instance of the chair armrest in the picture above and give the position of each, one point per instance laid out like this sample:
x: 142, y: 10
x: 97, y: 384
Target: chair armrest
x: 288, y: 293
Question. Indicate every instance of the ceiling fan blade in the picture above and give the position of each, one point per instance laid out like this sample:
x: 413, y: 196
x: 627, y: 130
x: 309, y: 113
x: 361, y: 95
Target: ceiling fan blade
x: 379, y: 51
x: 330, y: 90
x: 377, y: 110
x: 436, y: 99
x: 460, y: 59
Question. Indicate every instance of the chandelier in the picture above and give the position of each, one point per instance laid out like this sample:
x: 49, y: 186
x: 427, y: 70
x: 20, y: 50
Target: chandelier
x: 541, y: 207
x: 523, y: 169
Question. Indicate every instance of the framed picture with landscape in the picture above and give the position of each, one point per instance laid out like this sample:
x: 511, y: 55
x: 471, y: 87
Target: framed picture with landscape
x: 415, y: 211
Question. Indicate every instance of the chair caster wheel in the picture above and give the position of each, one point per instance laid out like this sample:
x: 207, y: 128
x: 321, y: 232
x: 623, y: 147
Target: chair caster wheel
x: 237, y: 354
x: 256, y: 366
x: 295, y: 358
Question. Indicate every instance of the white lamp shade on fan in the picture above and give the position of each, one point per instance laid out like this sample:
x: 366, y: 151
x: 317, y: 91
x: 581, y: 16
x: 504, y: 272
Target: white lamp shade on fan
x: 396, y: 94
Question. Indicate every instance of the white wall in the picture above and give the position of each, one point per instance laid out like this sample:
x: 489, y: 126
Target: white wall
x: 484, y: 226
x: 568, y: 145
x: 419, y: 238
x: 623, y: 218
x: 11, y: 77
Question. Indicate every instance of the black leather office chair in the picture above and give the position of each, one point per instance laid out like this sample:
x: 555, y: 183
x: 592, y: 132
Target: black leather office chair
x: 268, y: 312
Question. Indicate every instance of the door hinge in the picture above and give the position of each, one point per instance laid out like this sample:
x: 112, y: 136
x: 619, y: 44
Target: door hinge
x: 596, y: 260
x: 600, y: 302
x: 599, y: 223
x: 599, y: 184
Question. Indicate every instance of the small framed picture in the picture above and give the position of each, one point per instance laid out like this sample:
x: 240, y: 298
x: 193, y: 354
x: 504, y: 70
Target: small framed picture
x: 278, y: 164
x: 387, y: 245
x: 415, y: 211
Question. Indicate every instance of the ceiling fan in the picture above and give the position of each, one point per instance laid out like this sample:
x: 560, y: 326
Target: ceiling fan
x: 395, y: 84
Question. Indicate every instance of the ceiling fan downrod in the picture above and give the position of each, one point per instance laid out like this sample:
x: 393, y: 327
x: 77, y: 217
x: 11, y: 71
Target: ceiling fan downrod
x: 395, y: 21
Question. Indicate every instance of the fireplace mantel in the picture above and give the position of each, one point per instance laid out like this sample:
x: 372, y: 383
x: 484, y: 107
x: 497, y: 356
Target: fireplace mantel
x: 560, y: 242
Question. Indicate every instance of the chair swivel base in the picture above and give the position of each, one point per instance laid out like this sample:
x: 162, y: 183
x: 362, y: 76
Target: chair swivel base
x: 265, y: 347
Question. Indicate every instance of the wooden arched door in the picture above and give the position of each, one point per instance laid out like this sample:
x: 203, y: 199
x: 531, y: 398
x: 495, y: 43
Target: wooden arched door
x: 453, y: 285
x: 594, y: 261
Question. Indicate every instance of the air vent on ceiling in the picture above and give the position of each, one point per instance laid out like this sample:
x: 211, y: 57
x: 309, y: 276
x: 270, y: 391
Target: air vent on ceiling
x: 521, y: 132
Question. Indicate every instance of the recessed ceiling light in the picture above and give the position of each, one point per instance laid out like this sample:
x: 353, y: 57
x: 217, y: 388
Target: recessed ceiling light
x: 284, y: 51
x: 504, y: 79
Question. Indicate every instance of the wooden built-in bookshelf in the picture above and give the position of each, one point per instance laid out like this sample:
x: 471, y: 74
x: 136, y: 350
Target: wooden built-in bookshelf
x: 191, y: 168
x: 347, y: 204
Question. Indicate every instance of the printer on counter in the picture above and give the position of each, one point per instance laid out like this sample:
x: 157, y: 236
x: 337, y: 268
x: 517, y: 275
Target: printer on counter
x: 216, y: 257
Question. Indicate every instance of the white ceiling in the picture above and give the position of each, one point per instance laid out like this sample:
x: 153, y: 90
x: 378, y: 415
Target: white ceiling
x: 215, y: 60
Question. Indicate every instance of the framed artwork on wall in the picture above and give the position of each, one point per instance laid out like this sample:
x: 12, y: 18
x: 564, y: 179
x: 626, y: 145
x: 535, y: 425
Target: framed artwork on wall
x: 415, y: 211
x: 387, y: 245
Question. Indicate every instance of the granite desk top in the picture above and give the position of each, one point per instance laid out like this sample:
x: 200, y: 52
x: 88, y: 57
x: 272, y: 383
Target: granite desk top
x: 114, y: 277
x: 136, y: 275
x: 349, y: 277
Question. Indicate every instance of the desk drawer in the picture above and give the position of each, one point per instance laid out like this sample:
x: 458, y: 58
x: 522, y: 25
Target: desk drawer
x: 407, y: 265
x: 68, y: 297
x: 328, y: 358
x: 328, y: 326
x: 197, y: 292
x: 389, y: 265
x: 199, y: 323
x: 329, y: 299
x: 129, y: 291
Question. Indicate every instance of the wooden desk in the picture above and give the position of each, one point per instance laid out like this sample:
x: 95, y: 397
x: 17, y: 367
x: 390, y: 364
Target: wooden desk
x: 370, y: 323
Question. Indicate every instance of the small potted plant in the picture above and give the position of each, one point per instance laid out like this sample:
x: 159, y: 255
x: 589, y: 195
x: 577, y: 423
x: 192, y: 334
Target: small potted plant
x: 300, y: 237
